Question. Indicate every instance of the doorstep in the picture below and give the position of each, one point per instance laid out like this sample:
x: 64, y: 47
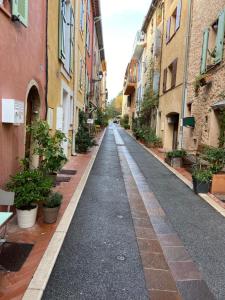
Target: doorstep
x: 184, y: 176
x: 13, y: 285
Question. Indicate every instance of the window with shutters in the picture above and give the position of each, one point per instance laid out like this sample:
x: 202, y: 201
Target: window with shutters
x: 173, y: 23
x: 20, y: 11
x: 81, y: 15
x: 88, y: 37
x: 81, y: 74
x: 66, y: 35
x: 170, y: 76
x: 213, y: 44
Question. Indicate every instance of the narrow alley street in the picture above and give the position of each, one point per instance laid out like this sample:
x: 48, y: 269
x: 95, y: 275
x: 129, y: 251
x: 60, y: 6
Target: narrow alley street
x: 134, y: 236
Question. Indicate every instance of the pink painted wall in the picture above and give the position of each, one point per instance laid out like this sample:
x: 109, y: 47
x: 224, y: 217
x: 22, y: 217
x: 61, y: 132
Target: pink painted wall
x: 22, y: 59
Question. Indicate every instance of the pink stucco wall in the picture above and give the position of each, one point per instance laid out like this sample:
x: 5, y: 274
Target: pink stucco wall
x: 22, y: 59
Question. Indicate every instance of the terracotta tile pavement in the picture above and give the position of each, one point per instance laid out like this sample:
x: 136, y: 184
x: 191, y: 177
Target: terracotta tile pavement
x: 14, y: 284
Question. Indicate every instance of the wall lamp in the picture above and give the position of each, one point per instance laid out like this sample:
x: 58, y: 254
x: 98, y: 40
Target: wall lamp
x: 100, y: 76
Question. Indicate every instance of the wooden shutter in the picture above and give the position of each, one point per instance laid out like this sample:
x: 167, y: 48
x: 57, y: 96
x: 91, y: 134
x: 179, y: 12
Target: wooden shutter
x: 81, y: 15
x: 178, y: 15
x: 168, y: 23
x: 71, y: 40
x: 220, y: 37
x: 174, y: 74
x: 20, y: 11
x: 204, y: 51
x: 164, y: 80
x: 62, y: 29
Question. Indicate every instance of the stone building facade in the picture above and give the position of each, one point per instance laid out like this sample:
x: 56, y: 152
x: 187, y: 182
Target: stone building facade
x: 206, y: 60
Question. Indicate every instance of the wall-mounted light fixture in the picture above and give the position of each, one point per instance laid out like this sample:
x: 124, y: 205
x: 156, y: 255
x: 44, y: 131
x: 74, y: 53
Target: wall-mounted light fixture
x: 100, y: 76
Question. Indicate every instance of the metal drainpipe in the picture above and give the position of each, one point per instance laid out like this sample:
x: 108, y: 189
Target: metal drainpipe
x: 76, y: 30
x: 184, y: 92
x: 46, y: 62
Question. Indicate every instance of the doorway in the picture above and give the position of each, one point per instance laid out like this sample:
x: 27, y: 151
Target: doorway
x: 173, y: 129
x: 32, y: 114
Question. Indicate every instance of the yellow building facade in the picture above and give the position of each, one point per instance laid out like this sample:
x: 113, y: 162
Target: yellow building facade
x: 172, y: 73
x: 60, y: 47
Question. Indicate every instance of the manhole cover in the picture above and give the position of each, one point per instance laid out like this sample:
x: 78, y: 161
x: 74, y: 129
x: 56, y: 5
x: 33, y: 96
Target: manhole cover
x: 121, y: 257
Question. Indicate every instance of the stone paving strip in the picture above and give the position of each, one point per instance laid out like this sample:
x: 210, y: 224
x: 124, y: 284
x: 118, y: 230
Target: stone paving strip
x: 40, y: 278
x: 99, y: 258
x: 209, y: 198
x: 168, y: 268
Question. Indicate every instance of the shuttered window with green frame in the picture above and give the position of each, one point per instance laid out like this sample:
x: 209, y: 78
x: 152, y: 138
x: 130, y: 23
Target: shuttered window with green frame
x: 205, y: 44
x: 71, y: 40
x: 62, y: 30
x: 20, y: 11
x: 220, y: 38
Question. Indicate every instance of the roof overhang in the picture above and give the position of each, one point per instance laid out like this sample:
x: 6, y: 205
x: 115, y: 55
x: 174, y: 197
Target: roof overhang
x: 149, y: 15
x: 98, y: 26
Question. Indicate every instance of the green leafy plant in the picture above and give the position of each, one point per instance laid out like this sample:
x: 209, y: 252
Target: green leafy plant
x: 83, y: 138
x: 215, y: 157
x: 53, y: 200
x: 202, y: 175
x: 176, y: 153
x: 124, y: 122
x: 48, y: 147
x: 30, y: 186
x: 101, y: 118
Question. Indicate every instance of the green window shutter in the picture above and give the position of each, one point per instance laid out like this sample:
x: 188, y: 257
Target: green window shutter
x: 204, y: 51
x: 220, y: 37
x: 20, y: 11
x: 62, y: 28
x: 71, y: 40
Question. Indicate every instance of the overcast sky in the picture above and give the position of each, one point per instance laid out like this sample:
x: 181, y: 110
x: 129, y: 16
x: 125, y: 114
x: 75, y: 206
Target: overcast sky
x: 121, y: 19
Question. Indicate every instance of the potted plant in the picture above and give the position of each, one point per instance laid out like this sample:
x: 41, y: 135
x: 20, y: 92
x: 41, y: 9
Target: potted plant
x: 175, y: 158
x: 216, y: 160
x: 201, y: 180
x: 51, y: 207
x: 48, y: 148
x: 30, y: 187
x: 83, y: 137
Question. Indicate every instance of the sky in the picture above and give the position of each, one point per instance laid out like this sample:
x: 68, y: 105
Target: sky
x: 121, y: 19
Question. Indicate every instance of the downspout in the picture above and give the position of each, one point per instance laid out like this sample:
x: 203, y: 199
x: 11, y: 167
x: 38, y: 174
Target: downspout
x: 76, y: 31
x: 74, y: 86
x: 186, y: 62
x: 46, y: 63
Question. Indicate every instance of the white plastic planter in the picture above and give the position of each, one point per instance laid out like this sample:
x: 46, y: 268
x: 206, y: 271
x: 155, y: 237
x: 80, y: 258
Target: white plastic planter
x: 26, y: 218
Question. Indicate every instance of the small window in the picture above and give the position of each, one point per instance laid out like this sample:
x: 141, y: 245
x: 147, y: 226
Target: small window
x: 170, y: 75
x: 213, y: 43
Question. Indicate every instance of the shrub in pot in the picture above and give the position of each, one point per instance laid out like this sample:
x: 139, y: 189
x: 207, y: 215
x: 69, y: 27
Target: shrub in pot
x: 175, y: 158
x: 30, y: 187
x: 51, y: 207
x: 201, y: 180
x: 48, y: 147
x: 83, y: 138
